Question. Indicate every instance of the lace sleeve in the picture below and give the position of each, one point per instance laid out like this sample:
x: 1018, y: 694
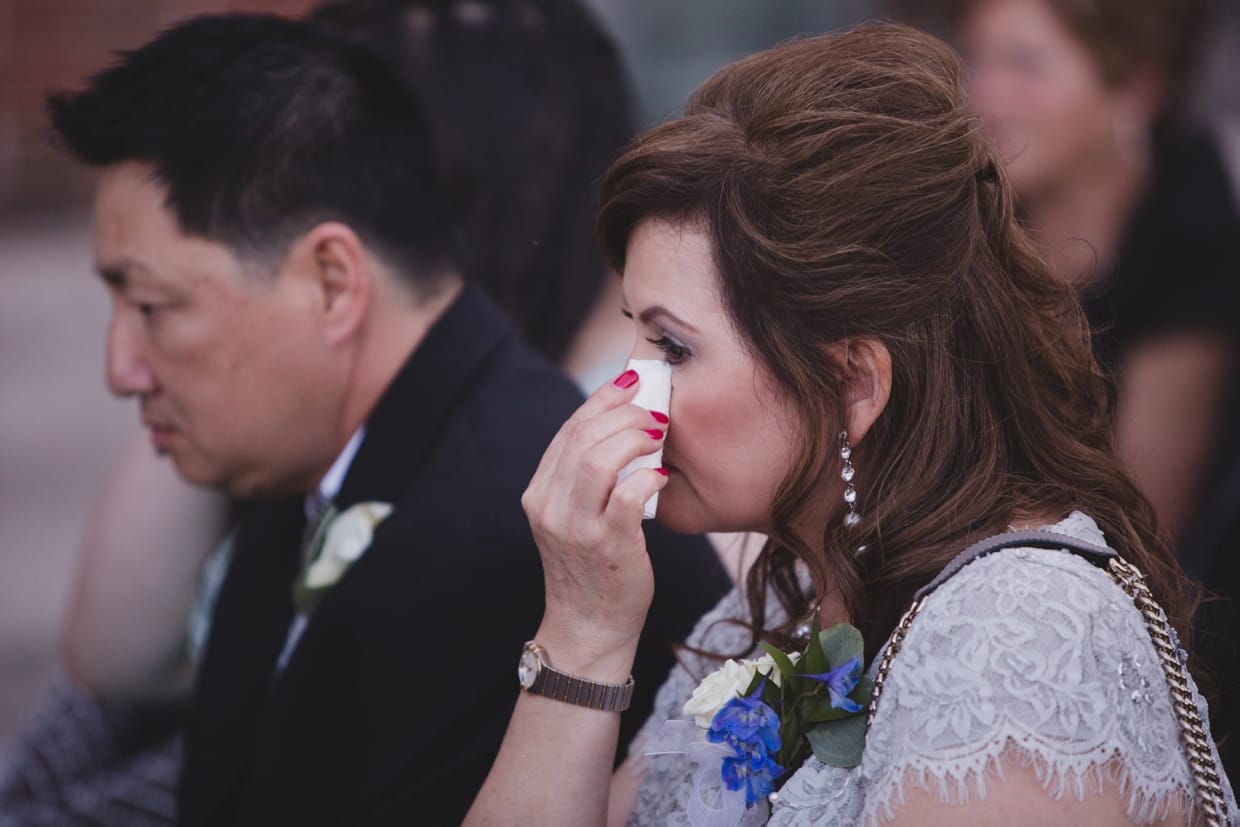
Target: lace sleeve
x: 1034, y: 657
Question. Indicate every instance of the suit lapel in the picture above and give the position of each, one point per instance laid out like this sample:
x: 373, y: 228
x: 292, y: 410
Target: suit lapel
x: 251, y: 620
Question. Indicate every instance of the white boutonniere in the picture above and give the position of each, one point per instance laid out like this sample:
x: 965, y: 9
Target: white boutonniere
x: 340, y: 539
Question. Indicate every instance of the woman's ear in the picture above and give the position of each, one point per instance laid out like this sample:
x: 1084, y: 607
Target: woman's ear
x: 333, y: 260
x: 867, y: 384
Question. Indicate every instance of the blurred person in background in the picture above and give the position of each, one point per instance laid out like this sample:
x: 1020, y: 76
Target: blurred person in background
x: 1129, y: 203
x: 1134, y: 204
x: 527, y: 103
x: 540, y: 42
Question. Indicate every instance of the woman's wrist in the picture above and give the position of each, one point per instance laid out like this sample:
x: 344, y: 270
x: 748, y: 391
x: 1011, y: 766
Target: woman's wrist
x: 594, y: 655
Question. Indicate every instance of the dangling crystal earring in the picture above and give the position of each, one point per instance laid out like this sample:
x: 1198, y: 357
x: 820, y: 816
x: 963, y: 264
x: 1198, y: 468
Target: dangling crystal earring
x: 852, y: 518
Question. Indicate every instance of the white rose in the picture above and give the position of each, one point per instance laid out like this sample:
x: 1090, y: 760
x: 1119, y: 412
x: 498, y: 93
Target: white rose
x: 348, y: 535
x: 766, y: 665
x: 727, y: 683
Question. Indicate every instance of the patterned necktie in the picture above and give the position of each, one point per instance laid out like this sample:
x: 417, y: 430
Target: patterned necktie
x: 304, y: 599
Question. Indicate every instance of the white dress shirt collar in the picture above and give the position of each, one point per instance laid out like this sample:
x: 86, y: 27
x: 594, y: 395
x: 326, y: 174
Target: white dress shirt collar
x: 329, y: 487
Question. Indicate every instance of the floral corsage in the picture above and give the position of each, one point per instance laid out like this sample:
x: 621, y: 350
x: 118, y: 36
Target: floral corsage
x: 758, y: 720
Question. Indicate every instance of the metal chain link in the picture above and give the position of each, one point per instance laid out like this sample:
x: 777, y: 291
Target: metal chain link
x: 1193, y: 734
x: 893, y: 647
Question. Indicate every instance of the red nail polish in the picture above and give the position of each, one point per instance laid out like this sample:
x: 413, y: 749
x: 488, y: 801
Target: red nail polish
x: 659, y: 417
x: 654, y: 433
x: 626, y: 379
x: 662, y: 471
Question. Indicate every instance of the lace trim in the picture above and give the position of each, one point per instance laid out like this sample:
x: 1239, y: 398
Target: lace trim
x: 955, y: 785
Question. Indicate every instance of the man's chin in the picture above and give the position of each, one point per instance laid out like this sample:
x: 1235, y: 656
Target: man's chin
x: 245, y: 486
x: 195, y: 474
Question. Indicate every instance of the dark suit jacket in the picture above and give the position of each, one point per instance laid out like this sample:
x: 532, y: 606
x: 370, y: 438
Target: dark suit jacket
x: 395, y: 701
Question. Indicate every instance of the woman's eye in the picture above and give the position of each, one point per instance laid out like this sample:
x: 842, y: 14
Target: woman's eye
x: 147, y: 310
x: 674, y: 350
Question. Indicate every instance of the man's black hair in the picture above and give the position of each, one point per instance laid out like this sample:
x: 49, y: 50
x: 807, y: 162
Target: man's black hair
x: 262, y: 127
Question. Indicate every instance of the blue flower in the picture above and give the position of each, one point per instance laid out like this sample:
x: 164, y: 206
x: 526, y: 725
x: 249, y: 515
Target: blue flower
x: 756, y: 777
x: 840, y: 682
x: 744, y: 718
x: 751, y: 729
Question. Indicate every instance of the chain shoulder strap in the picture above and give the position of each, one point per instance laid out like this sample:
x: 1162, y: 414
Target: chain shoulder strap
x: 1193, y: 733
x: 1194, y: 736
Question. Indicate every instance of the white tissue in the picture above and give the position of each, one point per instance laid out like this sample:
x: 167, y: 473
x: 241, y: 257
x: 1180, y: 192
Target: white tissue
x: 654, y: 393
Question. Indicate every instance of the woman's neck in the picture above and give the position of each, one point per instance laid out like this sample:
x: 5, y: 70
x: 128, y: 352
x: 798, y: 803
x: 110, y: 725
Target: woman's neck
x: 1078, y: 225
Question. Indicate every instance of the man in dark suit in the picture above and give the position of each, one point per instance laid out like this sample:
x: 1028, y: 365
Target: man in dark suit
x: 288, y: 309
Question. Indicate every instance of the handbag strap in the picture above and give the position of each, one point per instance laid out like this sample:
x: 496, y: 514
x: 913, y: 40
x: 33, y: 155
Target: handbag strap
x: 1098, y: 555
x: 1193, y: 734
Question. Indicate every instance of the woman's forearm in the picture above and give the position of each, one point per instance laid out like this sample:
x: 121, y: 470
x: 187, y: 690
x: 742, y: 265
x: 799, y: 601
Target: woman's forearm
x: 556, y: 762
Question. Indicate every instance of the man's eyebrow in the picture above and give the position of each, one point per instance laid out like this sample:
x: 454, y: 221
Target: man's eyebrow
x: 117, y: 273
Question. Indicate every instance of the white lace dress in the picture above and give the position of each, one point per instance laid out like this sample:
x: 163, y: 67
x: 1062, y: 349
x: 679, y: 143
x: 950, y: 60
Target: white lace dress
x: 1030, y: 654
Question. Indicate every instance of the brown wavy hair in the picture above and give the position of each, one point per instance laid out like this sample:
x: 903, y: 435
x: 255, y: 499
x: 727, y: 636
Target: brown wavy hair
x: 849, y: 196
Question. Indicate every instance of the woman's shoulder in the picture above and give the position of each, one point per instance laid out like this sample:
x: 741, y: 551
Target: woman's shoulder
x: 1028, y: 658
x: 1048, y: 588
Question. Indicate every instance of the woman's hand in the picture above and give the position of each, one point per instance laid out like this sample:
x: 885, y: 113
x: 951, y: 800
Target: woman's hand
x: 588, y: 529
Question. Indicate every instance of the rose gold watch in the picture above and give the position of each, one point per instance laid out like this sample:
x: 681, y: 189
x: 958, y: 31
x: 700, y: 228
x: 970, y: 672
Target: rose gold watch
x: 537, y: 677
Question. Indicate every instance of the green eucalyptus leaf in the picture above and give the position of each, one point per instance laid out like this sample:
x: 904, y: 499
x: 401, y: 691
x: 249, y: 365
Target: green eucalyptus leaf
x: 840, y: 643
x: 782, y: 662
x: 814, y: 662
x: 820, y: 710
x: 839, y: 743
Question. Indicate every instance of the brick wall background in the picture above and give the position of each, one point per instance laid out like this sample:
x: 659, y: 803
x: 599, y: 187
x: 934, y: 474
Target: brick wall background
x: 54, y: 44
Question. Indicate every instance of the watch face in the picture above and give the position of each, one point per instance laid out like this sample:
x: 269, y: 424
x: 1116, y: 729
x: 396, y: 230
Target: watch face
x: 527, y: 669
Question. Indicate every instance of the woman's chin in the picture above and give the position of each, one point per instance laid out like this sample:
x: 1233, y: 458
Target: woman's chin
x: 677, y: 519
x: 686, y: 515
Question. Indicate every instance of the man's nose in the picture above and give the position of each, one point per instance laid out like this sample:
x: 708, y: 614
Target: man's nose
x: 127, y: 369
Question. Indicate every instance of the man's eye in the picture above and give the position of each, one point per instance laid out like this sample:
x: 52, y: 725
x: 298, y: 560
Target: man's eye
x: 148, y: 309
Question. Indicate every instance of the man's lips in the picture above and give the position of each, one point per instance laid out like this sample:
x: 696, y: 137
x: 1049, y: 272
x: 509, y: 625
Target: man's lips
x: 160, y: 433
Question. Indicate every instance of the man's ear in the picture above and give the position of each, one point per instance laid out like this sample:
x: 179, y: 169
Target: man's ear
x: 867, y: 384
x: 334, y: 261
x: 1141, y: 98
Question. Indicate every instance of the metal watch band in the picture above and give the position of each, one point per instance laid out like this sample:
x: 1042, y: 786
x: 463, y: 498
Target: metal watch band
x: 608, y: 697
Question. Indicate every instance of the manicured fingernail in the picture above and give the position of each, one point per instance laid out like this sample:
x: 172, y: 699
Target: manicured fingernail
x: 626, y: 379
x: 659, y: 417
x: 662, y: 471
x: 654, y: 433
